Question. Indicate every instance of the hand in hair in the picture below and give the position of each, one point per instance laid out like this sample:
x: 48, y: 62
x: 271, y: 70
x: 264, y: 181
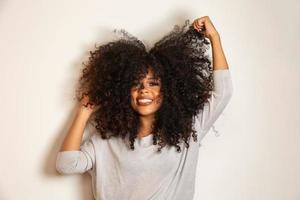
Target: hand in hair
x: 205, y: 25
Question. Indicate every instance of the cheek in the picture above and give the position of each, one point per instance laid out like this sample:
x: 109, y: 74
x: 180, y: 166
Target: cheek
x: 133, y: 97
x: 159, y: 99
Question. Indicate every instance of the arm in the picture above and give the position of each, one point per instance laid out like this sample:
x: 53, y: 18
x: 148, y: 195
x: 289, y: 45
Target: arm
x: 219, y: 59
x: 223, y: 87
x: 73, y: 156
x: 73, y: 138
x: 215, y: 105
x: 77, y: 161
x: 205, y: 25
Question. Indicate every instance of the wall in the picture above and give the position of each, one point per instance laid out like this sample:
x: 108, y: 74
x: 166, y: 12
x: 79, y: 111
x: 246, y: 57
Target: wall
x: 43, y: 44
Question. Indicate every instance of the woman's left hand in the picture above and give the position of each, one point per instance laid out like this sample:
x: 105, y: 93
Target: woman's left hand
x: 204, y: 25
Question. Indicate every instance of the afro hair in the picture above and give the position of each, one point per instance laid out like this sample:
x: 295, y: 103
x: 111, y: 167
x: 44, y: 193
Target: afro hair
x: 179, y: 59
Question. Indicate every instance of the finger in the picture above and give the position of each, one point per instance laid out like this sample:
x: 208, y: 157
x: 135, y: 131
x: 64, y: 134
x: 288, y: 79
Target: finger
x: 200, y: 24
x: 196, y: 23
x: 202, y: 27
x: 195, y: 27
x: 198, y: 29
x: 201, y: 21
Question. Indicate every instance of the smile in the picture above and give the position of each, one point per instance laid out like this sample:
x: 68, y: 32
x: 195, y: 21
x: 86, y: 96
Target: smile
x: 144, y: 102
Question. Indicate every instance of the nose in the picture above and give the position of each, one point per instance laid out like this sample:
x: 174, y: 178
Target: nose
x: 143, y: 88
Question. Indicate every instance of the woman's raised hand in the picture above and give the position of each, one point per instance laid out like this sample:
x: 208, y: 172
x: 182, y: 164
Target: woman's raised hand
x: 205, y: 25
x: 86, y: 108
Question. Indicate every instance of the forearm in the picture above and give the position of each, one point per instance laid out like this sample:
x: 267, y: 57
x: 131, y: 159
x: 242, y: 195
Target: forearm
x: 219, y: 59
x: 73, y: 138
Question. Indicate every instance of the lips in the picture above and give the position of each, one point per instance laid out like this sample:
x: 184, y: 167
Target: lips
x: 144, y: 101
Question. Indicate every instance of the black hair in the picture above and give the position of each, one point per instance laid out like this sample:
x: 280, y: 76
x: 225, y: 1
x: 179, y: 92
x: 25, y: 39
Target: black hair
x: 179, y: 59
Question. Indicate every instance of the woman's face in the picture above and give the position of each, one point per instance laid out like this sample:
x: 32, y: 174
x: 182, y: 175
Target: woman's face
x: 146, y: 97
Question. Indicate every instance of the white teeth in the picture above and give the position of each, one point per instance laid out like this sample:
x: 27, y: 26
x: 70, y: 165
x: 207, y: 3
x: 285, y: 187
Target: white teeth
x: 144, y: 100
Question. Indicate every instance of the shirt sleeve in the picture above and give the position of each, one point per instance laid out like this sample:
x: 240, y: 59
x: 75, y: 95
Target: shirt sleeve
x: 220, y: 97
x: 77, y: 161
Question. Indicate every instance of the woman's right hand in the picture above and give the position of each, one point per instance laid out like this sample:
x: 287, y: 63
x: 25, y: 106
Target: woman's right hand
x: 89, y: 109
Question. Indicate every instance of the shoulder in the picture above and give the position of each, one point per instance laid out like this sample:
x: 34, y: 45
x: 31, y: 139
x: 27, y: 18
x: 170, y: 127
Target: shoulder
x: 97, y: 139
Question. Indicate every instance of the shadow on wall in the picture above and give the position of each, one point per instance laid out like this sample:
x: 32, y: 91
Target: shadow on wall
x: 68, y: 94
x: 85, y: 190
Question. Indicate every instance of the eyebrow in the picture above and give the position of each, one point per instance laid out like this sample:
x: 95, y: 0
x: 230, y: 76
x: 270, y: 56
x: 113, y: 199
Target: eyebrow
x: 152, y: 78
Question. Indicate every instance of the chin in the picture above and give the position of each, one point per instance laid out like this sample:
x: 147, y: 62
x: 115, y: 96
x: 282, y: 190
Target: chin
x: 145, y: 113
x: 145, y: 110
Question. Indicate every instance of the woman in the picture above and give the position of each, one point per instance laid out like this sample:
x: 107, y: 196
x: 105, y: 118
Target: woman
x: 146, y: 106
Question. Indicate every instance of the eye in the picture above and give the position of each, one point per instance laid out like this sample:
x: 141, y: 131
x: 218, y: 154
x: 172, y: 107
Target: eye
x: 135, y: 84
x: 154, y: 83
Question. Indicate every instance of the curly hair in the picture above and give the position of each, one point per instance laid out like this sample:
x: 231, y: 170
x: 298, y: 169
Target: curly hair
x: 178, y: 59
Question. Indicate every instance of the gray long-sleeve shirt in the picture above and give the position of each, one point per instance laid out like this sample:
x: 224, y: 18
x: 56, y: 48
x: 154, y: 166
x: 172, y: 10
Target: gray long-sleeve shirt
x: 143, y: 174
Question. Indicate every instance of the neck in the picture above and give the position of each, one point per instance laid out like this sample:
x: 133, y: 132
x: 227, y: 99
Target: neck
x: 145, y: 125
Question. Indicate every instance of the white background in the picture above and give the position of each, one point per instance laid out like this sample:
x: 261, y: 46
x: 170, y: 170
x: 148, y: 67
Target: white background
x: 43, y: 44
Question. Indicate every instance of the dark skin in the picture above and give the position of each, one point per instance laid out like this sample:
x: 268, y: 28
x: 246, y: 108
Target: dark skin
x: 205, y: 25
x: 151, y: 89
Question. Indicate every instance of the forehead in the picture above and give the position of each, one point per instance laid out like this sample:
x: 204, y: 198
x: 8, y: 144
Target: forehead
x: 150, y: 75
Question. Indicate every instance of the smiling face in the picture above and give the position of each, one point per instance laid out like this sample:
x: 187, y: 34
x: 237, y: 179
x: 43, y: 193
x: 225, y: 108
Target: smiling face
x: 146, y: 96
